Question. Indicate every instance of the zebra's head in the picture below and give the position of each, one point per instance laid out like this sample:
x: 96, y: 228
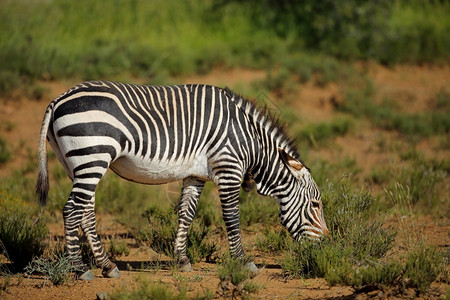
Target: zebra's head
x: 301, y: 209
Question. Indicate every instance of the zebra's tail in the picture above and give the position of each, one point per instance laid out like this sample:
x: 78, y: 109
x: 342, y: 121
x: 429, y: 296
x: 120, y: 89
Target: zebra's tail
x: 42, y: 183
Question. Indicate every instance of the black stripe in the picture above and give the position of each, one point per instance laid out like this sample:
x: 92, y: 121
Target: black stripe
x: 93, y: 150
x: 92, y: 164
x: 85, y: 186
x: 90, y: 175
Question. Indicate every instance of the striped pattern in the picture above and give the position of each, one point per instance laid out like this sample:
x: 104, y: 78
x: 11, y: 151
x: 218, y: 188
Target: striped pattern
x: 155, y: 135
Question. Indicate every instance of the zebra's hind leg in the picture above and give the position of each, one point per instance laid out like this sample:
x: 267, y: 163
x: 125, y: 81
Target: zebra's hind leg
x: 192, y: 188
x: 109, y: 269
x: 73, y: 214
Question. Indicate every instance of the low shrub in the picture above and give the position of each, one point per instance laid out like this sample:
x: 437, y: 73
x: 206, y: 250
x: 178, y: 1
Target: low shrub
x: 146, y: 290
x: 117, y: 248
x: 22, y: 235
x: 233, y: 270
x: 58, y: 268
x: 274, y: 241
x: 423, y: 266
x: 5, y: 153
x: 161, y: 232
x: 319, y: 133
x: 235, y: 278
x: 254, y: 208
x: 355, y: 254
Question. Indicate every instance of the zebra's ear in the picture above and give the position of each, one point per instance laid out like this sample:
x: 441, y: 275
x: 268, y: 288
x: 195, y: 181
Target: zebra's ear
x: 293, y: 164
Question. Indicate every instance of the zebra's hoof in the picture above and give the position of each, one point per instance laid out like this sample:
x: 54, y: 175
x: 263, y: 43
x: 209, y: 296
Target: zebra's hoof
x: 114, y: 273
x: 253, y: 269
x: 185, y: 268
x: 86, y: 276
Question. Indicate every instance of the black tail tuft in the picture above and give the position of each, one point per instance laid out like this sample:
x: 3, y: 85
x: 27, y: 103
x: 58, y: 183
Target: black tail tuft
x: 42, y: 188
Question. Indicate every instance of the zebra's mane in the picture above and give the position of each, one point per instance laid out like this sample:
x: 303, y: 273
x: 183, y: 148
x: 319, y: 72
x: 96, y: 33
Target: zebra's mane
x: 266, y: 118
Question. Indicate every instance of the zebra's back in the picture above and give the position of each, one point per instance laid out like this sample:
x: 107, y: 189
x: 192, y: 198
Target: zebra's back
x: 153, y: 134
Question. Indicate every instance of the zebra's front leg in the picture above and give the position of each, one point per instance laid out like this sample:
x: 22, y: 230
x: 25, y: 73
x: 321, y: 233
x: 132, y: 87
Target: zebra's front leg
x: 109, y: 269
x: 192, y: 188
x: 229, y: 198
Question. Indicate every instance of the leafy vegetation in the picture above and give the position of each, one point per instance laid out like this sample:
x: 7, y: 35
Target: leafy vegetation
x: 57, y: 269
x: 22, y: 235
x: 320, y: 133
x: 359, y: 102
x: 356, y: 252
x: 146, y: 290
x: 234, y: 271
x: 117, y: 248
x: 161, y: 233
x: 47, y: 40
x: 5, y: 153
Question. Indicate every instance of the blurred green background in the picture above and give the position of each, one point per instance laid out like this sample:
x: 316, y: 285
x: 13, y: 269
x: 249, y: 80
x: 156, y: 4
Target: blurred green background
x: 157, y: 39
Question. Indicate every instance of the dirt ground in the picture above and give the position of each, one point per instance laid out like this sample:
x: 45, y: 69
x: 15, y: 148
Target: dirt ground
x: 412, y: 86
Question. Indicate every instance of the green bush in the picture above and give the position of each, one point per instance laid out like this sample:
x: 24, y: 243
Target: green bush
x: 423, y: 266
x: 274, y: 241
x: 146, y: 290
x: 355, y: 254
x: 360, y: 103
x: 117, y: 248
x: 5, y: 154
x: 161, y: 233
x: 22, y: 235
x: 354, y: 236
x: 319, y: 133
x: 57, y: 269
x: 233, y: 270
x: 42, y: 40
x: 254, y: 208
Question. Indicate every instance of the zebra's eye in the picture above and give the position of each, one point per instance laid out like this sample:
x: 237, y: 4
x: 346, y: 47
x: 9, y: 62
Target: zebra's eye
x: 315, y: 204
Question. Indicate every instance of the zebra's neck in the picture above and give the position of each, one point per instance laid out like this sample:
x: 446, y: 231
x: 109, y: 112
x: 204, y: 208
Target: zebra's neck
x: 265, y: 164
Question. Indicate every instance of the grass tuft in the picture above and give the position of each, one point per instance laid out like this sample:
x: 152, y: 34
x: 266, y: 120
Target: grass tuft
x: 58, y: 268
x: 22, y: 235
x: 161, y: 232
x: 5, y: 153
x: 147, y: 290
x: 117, y: 248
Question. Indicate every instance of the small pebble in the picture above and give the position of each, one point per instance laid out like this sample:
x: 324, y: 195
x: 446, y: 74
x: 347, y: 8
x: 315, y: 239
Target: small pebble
x: 102, y: 296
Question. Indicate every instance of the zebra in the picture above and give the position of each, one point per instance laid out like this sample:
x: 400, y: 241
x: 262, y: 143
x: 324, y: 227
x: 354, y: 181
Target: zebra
x: 159, y: 134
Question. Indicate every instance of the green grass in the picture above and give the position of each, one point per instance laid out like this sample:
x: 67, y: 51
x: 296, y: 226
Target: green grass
x: 160, y: 233
x: 359, y: 102
x: 117, y: 248
x: 23, y: 235
x: 273, y: 241
x: 232, y: 270
x: 235, y: 278
x: 43, y: 40
x: 254, y: 209
x: 5, y: 153
x: 57, y: 269
x: 355, y: 237
x: 318, y: 134
x: 147, y: 290
x: 355, y: 254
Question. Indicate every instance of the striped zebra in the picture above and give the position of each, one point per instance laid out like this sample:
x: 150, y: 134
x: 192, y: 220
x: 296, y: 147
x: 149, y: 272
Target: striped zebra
x: 160, y: 134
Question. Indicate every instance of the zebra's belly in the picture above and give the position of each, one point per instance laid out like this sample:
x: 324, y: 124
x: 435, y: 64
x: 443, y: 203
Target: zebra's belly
x: 153, y: 171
